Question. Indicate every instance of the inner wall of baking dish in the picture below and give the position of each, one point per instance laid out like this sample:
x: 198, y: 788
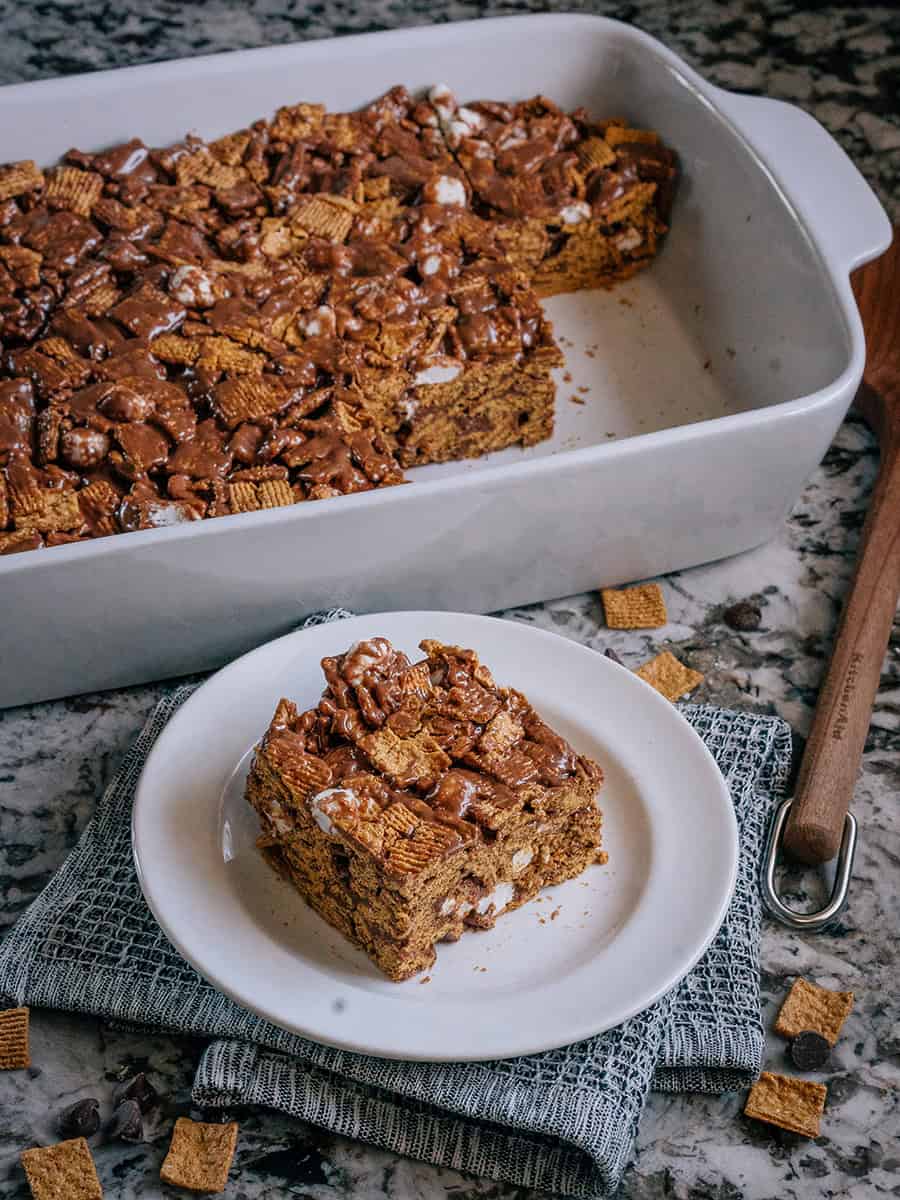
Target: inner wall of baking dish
x: 736, y: 313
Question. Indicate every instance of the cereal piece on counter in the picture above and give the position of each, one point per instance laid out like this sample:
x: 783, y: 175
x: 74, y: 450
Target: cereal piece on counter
x: 14, y: 1054
x: 809, y: 1006
x: 790, y: 1103
x: 200, y: 1155
x: 671, y: 678
x: 62, y: 1172
x: 17, y: 178
x: 641, y: 607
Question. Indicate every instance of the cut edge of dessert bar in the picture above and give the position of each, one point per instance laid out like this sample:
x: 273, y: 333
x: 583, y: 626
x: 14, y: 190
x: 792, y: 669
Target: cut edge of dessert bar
x: 298, y: 310
x: 579, y: 203
x: 418, y: 801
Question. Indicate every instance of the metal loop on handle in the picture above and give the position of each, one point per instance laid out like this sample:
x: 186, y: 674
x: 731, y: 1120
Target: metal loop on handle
x: 814, y: 921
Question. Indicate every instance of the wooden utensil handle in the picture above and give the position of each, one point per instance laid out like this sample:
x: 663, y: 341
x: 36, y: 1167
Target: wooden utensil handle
x: 829, y: 768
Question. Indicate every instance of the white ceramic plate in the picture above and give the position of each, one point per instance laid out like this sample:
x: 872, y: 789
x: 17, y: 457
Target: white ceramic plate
x: 578, y: 960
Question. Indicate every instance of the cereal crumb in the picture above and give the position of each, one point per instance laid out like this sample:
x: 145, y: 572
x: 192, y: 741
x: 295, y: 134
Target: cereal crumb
x: 567, y: 377
x: 427, y: 979
x: 554, y: 914
x: 576, y: 399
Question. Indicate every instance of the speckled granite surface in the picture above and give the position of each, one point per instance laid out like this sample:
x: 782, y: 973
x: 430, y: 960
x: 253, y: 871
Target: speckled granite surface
x: 843, y: 64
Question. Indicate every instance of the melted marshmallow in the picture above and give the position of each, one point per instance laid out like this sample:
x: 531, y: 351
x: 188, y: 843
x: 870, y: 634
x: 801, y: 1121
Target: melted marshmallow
x: 574, y: 214
x: 439, y: 373
x: 191, y: 286
x: 345, y: 797
x: 166, y: 514
x: 450, y: 191
x: 496, y: 899
x: 628, y: 240
x: 521, y: 859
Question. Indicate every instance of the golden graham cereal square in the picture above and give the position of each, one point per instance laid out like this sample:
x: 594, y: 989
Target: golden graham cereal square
x: 200, y: 1155
x: 62, y: 1172
x: 789, y: 1103
x: 639, y: 607
x: 809, y: 1006
x: 14, y: 1054
x: 671, y: 678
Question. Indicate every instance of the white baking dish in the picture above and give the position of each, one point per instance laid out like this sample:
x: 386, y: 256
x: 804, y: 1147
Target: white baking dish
x: 723, y: 378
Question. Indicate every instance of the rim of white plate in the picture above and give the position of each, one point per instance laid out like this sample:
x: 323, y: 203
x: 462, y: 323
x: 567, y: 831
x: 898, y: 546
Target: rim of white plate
x: 333, y: 997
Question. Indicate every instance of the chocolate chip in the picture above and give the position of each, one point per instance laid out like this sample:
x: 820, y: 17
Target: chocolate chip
x: 126, y: 1123
x: 743, y: 616
x: 81, y: 1119
x: 809, y: 1051
x: 611, y: 654
x: 140, y: 1089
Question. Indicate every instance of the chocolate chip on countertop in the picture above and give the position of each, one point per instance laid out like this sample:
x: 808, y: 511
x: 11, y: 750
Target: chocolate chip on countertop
x: 809, y: 1051
x: 127, y: 1123
x: 140, y: 1089
x: 611, y: 654
x: 743, y: 616
x: 81, y: 1119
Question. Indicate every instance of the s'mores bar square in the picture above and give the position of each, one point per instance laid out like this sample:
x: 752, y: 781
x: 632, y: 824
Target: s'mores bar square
x: 580, y: 202
x: 420, y: 800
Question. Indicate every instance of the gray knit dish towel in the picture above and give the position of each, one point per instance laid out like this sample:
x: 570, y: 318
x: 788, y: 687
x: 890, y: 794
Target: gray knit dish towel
x: 562, y: 1121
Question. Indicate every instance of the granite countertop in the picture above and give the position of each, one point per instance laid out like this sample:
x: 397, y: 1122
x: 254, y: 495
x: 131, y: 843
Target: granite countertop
x: 839, y: 62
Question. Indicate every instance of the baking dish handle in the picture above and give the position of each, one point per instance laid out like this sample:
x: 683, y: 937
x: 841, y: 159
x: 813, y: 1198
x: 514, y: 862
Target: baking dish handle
x: 840, y: 210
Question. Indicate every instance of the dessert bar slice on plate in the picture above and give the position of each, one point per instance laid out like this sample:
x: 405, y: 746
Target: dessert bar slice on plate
x: 417, y: 801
